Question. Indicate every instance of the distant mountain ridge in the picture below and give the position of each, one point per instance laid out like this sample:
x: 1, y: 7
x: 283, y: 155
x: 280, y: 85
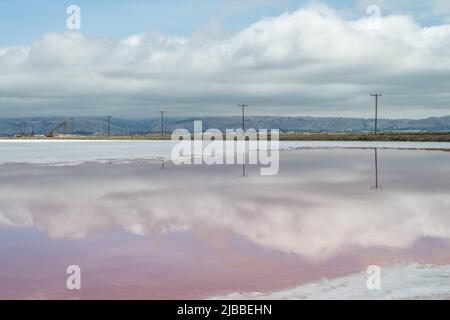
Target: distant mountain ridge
x: 99, y: 125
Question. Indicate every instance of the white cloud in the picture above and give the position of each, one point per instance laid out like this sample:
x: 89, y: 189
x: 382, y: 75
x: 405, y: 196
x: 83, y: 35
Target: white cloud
x: 311, y: 61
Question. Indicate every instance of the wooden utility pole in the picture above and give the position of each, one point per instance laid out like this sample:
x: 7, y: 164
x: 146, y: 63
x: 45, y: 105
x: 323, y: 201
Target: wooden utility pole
x: 162, y: 122
x: 109, y: 125
x: 243, y: 106
x: 376, y: 95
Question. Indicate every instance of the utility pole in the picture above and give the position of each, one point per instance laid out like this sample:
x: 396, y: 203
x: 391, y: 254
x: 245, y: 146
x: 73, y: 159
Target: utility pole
x: 109, y: 126
x: 162, y: 122
x: 23, y: 128
x: 376, y: 95
x: 243, y: 106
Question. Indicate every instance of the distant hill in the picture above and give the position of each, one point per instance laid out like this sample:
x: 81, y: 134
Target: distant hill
x: 99, y: 125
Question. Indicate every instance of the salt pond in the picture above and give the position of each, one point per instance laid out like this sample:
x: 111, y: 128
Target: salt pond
x: 149, y: 229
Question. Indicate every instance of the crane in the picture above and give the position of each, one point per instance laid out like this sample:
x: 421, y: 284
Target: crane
x: 65, y: 124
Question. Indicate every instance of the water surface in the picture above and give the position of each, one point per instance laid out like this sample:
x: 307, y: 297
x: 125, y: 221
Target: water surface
x: 149, y: 230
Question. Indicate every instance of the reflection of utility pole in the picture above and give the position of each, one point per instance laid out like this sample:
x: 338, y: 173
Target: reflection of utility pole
x: 162, y: 122
x: 376, y: 95
x: 243, y: 106
x: 376, y: 186
x: 109, y: 126
x: 244, y: 174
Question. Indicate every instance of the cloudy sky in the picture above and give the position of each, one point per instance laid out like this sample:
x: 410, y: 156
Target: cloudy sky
x: 200, y: 57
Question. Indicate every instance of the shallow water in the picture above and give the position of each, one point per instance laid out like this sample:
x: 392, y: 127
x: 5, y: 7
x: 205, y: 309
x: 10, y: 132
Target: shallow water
x: 78, y: 151
x: 140, y: 231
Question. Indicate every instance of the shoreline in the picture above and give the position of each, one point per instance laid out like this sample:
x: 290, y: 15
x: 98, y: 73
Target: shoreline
x: 382, y: 137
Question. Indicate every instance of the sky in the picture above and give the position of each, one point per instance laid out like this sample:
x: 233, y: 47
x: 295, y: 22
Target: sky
x: 202, y: 57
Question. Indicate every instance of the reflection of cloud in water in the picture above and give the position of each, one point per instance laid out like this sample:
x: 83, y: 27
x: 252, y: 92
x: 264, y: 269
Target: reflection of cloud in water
x: 320, y: 203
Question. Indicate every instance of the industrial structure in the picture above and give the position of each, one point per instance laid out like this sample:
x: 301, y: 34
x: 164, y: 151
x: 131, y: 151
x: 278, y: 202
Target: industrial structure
x: 65, y: 124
